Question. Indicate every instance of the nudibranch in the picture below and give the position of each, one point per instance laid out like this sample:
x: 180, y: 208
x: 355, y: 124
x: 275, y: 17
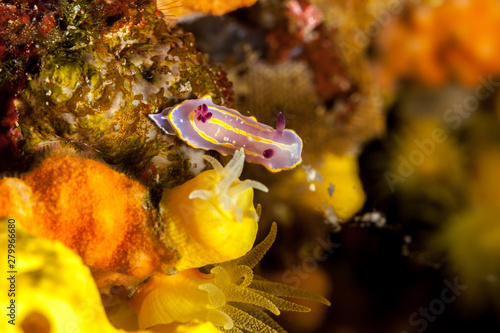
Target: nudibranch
x: 205, y: 125
x: 231, y: 297
x: 211, y: 218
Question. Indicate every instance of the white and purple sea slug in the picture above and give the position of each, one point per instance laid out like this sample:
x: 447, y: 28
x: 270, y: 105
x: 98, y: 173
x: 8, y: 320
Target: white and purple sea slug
x: 202, y: 124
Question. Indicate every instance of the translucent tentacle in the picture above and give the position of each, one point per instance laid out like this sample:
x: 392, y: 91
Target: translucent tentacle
x: 245, y: 321
x: 220, y: 319
x: 216, y: 164
x: 245, y: 185
x: 256, y: 185
x: 223, y: 193
x: 225, y: 201
x: 258, y: 211
x: 245, y: 295
x: 235, y: 330
x: 231, y: 172
x: 246, y: 273
x: 217, y: 297
x: 222, y: 278
x: 283, y: 304
x: 255, y: 216
x: 279, y: 289
x: 260, y: 315
x: 238, y: 214
x: 252, y: 258
x: 202, y: 194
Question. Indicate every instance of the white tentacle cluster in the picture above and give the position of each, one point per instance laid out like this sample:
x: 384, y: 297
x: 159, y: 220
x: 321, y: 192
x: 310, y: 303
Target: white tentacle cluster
x: 227, y: 189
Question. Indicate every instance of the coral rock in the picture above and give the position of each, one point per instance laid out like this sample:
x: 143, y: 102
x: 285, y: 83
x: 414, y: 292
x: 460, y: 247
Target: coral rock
x: 117, y: 70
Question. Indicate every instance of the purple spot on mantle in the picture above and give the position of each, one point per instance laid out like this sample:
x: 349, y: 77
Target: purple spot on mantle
x: 202, y: 113
x: 268, y: 153
x: 280, y: 122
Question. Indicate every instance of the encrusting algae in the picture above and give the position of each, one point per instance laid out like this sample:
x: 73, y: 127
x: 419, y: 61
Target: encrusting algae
x: 101, y: 69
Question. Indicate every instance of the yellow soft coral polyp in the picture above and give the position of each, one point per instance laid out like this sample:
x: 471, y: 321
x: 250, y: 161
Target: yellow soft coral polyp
x: 165, y: 299
x: 211, y: 218
x: 230, y: 296
x: 194, y: 326
x: 55, y: 291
